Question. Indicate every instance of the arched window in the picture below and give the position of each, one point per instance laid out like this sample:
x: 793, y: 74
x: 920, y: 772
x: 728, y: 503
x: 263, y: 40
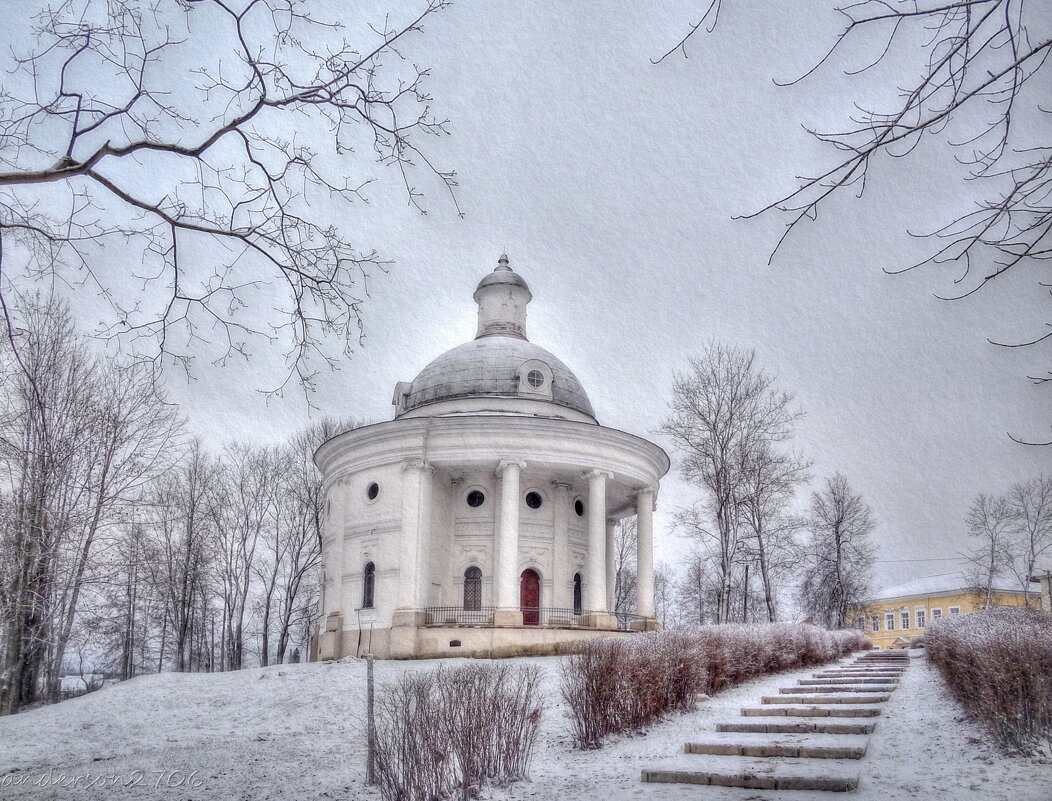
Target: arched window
x: 473, y: 589
x: 577, y: 604
x: 369, y: 585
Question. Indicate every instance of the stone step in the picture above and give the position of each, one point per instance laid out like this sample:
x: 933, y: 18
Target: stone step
x: 875, y: 668
x: 780, y: 724
x: 790, y: 710
x: 881, y: 660
x: 780, y: 745
x: 756, y: 773
x: 855, y: 672
x: 891, y: 666
x: 894, y: 656
x: 875, y: 698
x: 836, y: 680
x: 838, y: 688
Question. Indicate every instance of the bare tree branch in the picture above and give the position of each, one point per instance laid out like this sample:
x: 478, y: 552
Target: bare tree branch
x: 221, y: 175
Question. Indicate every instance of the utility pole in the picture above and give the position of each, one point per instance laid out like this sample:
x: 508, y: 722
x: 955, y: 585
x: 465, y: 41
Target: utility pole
x: 370, y: 762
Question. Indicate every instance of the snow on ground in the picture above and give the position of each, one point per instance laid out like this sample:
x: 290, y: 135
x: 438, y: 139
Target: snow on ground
x: 294, y: 732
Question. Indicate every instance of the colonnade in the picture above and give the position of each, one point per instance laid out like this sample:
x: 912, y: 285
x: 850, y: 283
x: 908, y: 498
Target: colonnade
x: 599, y: 567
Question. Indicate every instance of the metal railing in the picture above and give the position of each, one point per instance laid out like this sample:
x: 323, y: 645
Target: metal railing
x: 542, y: 616
x: 458, y: 616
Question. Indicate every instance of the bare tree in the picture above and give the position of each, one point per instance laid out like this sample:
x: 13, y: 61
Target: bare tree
x: 246, y: 494
x: 1030, y: 513
x: 989, y: 521
x: 966, y: 70
x: 722, y: 411
x: 46, y: 411
x: 771, y: 479
x: 624, y: 588
x: 696, y: 590
x: 838, y: 555
x: 664, y: 597
x: 303, y: 487
x: 182, y: 508
x: 291, y: 550
x: 206, y: 138
x: 134, y: 436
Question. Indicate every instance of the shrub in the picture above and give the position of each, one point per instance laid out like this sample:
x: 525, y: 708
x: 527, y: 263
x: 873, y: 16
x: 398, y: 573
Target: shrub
x: 455, y: 729
x: 617, y: 685
x: 624, y: 685
x: 998, y: 665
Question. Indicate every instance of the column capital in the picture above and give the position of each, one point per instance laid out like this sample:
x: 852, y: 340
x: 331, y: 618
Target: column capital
x: 598, y: 474
x: 641, y: 495
x: 504, y: 463
x: 418, y: 464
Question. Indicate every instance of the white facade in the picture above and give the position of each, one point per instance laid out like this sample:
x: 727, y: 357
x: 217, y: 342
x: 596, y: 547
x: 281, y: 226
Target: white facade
x: 480, y: 520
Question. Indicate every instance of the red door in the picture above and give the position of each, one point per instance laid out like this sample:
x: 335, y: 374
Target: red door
x: 530, y: 597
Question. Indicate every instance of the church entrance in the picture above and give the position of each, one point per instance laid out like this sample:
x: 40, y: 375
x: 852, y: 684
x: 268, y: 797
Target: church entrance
x: 530, y: 597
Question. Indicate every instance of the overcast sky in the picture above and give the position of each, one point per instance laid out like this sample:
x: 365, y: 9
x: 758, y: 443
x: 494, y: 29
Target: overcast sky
x: 612, y: 184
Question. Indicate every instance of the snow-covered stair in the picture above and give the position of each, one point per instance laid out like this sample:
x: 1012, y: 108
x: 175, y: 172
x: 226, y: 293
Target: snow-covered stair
x: 808, y: 737
x: 781, y: 724
x: 832, y: 698
x: 812, y: 711
x: 756, y: 773
x: 780, y: 744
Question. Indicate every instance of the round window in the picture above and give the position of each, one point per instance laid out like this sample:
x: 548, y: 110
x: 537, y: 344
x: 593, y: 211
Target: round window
x: 373, y: 491
x: 476, y: 498
x: 578, y: 506
x: 535, y: 378
x: 534, y: 499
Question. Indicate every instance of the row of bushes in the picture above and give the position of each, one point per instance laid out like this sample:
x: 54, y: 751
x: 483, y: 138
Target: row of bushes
x: 998, y: 664
x: 624, y: 685
x: 447, y: 731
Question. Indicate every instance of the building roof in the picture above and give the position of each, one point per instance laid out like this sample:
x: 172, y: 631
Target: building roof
x: 956, y: 581
x: 489, y: 368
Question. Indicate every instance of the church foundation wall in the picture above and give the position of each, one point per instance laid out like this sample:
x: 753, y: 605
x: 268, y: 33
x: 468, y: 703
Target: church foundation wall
x: 485, y: 642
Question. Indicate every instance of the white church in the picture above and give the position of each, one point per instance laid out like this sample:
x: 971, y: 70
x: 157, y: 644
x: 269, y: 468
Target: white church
x: 480, y: 520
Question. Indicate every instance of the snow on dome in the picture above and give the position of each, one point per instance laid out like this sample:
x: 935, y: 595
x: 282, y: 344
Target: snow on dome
x: 490, y: 367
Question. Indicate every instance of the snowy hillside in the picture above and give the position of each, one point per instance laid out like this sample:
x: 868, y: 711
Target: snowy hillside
x: 294, y: 732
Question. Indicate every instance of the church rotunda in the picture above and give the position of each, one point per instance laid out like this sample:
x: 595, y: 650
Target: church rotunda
x: 480, y: 520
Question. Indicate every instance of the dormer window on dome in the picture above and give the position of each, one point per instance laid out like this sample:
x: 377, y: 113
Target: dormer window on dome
x: 535, y: 379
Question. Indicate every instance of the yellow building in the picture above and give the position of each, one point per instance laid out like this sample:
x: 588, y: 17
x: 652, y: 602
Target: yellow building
x: 897, y: 615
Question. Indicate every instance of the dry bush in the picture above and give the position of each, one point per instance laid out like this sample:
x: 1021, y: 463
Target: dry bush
x: 412, y: 759
x: 624, y: 685
x: 619, y: 685
x: 998, y: 664
x: 456, y: 730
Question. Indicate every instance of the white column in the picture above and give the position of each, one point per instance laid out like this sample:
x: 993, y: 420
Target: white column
x: 611, y: 571
x: 416, y: 519
x: 425, y: 535
x: 645, y: 553
x: 336, y: 526
x: 562, y: 576
x: 508, y: 536
x: 595, y: 599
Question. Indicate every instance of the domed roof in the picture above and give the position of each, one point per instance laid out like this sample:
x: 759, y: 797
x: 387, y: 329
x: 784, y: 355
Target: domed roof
x: 503, y: 275
x: 492, y: 367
